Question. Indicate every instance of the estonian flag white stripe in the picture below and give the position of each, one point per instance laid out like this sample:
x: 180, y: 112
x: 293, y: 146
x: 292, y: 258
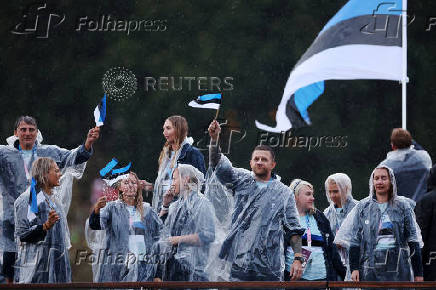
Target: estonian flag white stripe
x: 346, y: 63
x: 204, y: 106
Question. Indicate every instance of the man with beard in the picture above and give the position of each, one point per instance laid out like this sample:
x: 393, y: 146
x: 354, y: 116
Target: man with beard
x: 264, y: 215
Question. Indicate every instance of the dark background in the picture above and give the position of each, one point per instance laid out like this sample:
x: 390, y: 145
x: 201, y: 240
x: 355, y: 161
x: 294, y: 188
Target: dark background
x: 58, y: 80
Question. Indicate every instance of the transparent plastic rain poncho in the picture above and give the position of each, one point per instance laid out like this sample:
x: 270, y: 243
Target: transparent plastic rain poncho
x: 222, y: 201
x: 13, y: 180
x: 193, y: 217
x: 164, y: 177
x: 45, y: 260
x: 261, y: 219
x: 335, y: 218
x: 120, y: 260
x: 411, y: 168
x: 361, y: 227
x: 51, y: 253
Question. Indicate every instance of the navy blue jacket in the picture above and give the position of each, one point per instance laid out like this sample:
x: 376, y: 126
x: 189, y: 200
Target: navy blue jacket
x: 191, y: 155
x: 333, y: 263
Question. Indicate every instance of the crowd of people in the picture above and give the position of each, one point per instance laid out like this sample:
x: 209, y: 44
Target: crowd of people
x: 223, y: 224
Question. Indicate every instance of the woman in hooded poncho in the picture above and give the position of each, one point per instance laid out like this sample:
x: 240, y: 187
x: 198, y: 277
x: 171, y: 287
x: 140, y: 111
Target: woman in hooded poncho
x: 382, y: 234
x: 338, y: 191
x: 189, y: 228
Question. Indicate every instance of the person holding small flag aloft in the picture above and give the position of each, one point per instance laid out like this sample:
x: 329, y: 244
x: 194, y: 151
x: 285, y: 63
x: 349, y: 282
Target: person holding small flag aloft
x: 16, y: 161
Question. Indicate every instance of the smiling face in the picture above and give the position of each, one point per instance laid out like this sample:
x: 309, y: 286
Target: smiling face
x: 26, y: 134
x: 334, y: 194
x: 382, y: 181
x: 129, y: 188
x: 169, y: 132
x: 53, y: 176
x: 304, y: 199
x: 262, y: 164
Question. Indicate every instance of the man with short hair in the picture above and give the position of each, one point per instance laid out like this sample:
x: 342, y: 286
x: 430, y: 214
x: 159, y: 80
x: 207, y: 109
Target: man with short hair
x: 264, y: 215
x: 16, y: 161
x: 384, y: 243
x: 411, y: 167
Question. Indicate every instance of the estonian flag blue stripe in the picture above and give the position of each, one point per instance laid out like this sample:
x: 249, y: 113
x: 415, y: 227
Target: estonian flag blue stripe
x: 108, y: 167
x: 33, y: 199
x: 354, y: 8
x: 102, y: 107
x: 209, y: 97
x: 122, y: 170
x: 359, y: 30
x: 304, y: 97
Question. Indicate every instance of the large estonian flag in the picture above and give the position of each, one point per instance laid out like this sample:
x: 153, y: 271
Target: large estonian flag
x: 209, y: 101
x: 362, y: 41
x: 100, y: 112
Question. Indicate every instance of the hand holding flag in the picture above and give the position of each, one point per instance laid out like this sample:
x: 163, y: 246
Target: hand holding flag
x: 100, y: 112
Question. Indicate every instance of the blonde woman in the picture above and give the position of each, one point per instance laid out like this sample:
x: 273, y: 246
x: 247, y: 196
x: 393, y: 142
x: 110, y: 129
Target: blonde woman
x: 41, y: 229
x: 324, y: 262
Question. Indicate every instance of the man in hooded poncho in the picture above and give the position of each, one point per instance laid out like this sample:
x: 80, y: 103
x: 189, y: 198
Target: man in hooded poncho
x: 264, y: 215
x: 384, y: 243
x: 411, y: 166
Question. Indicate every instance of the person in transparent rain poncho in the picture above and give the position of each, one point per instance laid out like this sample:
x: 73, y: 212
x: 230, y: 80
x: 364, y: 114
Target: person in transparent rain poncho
x: 323, y: 260
x: 41, y: 230
x: 222, y: 201
x: 339, y: 194
x: 177, y: 149
x: 411, y: 166
x: 381, y: 232
x: 189, y: 227
x: 16, y: 159
x: 131, y: 227
x: 264, y: 214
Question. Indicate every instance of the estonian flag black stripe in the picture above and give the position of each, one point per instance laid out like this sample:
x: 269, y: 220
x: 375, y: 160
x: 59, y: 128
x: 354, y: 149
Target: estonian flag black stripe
x: 214, y: 101
x: 358, y: 30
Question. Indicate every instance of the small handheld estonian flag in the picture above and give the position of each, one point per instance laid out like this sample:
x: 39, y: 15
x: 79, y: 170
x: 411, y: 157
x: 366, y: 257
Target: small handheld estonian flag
x: 108, y: 167
x: 33, y: 203
x: 209, y: 101
x: 100, y: 112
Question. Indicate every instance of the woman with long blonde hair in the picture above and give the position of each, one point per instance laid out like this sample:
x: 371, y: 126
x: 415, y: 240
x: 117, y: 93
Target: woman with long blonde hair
x: 132, y: 227
x: 177, y: 149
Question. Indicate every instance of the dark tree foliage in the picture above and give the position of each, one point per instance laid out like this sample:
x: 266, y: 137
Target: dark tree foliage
x: 55, y: 74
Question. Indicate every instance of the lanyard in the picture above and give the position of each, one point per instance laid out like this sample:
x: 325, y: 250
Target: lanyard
x: 26, y: 170
x: 50, y: 203
x: 309, y: 234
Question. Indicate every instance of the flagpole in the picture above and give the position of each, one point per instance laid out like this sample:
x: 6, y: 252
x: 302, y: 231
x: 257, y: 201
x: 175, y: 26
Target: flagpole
x: 405, y: 79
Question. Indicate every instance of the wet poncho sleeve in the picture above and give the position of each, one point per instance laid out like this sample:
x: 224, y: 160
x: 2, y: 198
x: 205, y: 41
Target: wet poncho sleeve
x: 33, y: 235
x: 94, y: 221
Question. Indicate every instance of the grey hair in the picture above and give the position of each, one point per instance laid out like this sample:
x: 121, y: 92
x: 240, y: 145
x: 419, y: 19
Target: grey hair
x: 40, y: 170
x: 26, y: 119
